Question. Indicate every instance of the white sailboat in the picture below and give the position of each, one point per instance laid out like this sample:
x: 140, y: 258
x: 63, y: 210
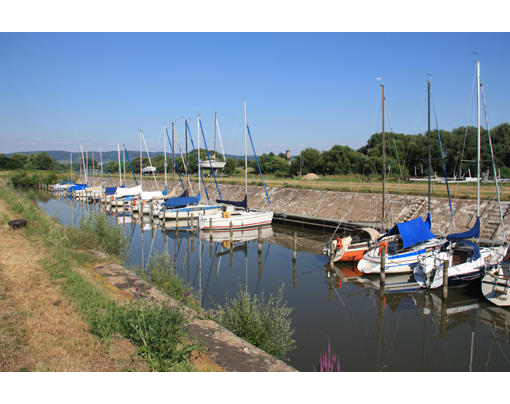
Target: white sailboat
x: 466, y: 260
x: 236, y: 215
x: 184, y: 207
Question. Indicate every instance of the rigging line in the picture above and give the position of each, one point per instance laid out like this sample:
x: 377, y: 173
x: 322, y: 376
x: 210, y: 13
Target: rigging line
x: 392, y: 137
x: 493, y: 164
x: 442, y: 158
x: 467, y: 121
x: 375, y: 131
x: 417, y: 123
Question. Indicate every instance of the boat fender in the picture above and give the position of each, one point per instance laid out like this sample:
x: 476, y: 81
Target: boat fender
x: 226, y: 214
x: 339, y: 244
x: 338, y: 283
x: 226, y: 243
x: 381, y: 244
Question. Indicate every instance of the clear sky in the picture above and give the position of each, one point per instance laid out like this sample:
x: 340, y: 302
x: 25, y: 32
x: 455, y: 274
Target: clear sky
x: 60, y: 90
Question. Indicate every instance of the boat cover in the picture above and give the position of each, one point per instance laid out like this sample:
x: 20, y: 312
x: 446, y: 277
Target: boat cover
x: 241, y: 204
x: 77, y: 187
x: 110, y: 190
x: 181, y: 201
x: 148, y: 195
x: 121, y: 192
x: 471, y: 233
x: 412, y: 232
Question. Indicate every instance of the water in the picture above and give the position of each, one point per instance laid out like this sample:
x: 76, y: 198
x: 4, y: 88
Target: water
x: 366, y: 331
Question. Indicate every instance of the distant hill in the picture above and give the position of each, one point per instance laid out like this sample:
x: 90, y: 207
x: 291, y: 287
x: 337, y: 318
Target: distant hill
x: 64, y: 156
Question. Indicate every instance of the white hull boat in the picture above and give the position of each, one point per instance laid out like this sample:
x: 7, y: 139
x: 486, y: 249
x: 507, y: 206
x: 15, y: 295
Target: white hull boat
x: 238, y: 219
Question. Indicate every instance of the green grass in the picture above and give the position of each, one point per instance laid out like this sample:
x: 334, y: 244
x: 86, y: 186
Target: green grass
x: 158, y: 331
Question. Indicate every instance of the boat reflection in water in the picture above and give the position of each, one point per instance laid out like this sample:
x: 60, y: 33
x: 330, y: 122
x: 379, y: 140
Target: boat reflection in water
x: 459, y: 333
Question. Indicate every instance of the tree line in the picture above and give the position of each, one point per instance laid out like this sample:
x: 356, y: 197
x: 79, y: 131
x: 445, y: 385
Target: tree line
x: 406, y: 156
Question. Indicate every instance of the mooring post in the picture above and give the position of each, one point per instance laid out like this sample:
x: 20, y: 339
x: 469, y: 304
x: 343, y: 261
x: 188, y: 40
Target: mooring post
x: 383, y: 266
x: 164, y: 218
x: 445, y: 279
x: 192, y: 222
x: 231, y: 232
x: 260, y: 239
x: 210, y: 230
x: 294, y: 247
x: 332, y: 249
x: 177, y: 221
x: 152, y: 211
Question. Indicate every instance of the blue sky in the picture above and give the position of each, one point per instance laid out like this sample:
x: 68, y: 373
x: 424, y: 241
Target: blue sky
x: 60, y: 90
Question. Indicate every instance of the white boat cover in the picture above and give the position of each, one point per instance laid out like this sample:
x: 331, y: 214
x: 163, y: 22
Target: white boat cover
x: 133, y: 191
x: 149, y: 195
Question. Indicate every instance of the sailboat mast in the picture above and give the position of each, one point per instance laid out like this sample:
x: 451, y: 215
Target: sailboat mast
x: 198, y: 150
x: 215, y: 125
x: 173, y: 155
x: 124, y: 164
x: 164, y: 151
x: 101, y: 158
x: 71, y: 159
x: 383, y: 160
x: 428, y: 132
x: 245, y: 152
x: 478, y: 140
x: 187, y: 161
x: 141, y: 172
x: 120, y: 167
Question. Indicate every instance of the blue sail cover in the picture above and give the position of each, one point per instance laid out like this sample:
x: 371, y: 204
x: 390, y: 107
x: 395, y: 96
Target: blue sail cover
x: 472, y: 233
x: 181, y: 201
x: 110, y: 190
x: 77, y: 187
x: 241, y: 204
x: 411, y: 232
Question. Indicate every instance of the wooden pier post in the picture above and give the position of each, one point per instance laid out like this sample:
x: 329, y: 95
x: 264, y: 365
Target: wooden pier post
x: 192, y: 221
x: 445, y: 279
x: 231, y: 232
x: 332, y: 249
x: 210, y: 230
x: 177, y: 221
x: 260, y: 239
x: 383, y: 266
x: 294, y: 247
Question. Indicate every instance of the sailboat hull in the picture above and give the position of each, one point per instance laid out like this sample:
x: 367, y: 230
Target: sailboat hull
x: 239, y: 220
x: 401, y: 262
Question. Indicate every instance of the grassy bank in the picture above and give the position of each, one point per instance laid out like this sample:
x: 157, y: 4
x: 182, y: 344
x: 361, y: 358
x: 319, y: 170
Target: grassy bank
x: 159, y: 332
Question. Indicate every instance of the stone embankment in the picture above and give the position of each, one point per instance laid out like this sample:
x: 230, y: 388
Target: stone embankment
x: 365, y: 208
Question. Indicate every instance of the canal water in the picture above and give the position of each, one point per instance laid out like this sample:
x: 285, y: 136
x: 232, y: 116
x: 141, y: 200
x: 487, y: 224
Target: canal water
x: 367, y: 331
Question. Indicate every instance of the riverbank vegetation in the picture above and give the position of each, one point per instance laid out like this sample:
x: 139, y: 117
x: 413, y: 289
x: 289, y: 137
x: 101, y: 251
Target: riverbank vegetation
x: 158, y: 331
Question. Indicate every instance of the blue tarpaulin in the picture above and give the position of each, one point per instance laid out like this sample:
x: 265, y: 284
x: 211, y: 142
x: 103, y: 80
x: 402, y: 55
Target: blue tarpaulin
x: 181, y: 201
x: 471, y: 233
x: 413, y: 232
x: 77, y: 187
x: 110, y: 190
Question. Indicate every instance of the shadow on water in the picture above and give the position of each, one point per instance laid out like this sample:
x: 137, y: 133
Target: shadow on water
x: 334, y: 309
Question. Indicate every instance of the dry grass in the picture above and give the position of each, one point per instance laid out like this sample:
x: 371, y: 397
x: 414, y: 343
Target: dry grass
x: 55, y: 336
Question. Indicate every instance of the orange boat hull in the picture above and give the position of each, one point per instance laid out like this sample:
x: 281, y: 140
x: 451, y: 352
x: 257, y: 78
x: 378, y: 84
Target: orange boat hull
x: 353, y: 255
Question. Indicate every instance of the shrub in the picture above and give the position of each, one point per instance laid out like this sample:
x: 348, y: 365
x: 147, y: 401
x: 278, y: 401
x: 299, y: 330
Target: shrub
x: 106, y: 235
x: 265, y: 324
